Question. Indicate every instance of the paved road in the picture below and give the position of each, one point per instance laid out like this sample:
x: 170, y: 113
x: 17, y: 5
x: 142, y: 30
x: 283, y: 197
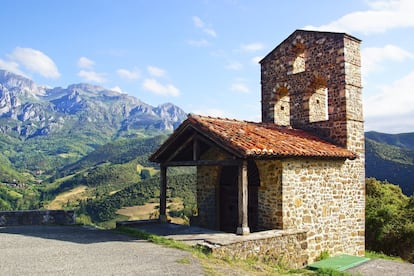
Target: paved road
x: 58, y: 250
x: 379, y: 267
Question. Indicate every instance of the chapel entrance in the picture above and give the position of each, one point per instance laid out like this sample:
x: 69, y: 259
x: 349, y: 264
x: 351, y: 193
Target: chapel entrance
x: 229, y: 212
x: 253, y: 197
x: 228, y: 197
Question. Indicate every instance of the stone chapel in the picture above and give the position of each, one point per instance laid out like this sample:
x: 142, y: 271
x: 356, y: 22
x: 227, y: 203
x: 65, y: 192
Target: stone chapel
x: 302, y: 167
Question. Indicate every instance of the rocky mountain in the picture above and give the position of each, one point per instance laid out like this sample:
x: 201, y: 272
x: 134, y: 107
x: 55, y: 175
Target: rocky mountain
x: 43, y: 129
x: 28, y: 110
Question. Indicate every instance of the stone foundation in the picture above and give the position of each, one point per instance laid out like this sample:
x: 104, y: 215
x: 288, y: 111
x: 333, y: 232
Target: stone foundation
x: 284, y: 247
x: 37, y: 217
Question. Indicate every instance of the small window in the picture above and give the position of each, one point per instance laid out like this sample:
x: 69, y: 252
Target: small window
x: 318, y: 101
x: 282, y: 106
x: 299, y: 61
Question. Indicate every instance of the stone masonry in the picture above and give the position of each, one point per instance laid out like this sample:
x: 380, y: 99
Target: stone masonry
x: 311, y: 81
x: 327, y: 197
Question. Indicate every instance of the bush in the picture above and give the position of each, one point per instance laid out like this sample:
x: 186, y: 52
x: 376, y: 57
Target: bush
x: 389, y: 220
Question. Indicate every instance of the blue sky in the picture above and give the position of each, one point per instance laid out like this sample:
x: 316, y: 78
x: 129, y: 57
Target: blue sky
x: 203, y: 55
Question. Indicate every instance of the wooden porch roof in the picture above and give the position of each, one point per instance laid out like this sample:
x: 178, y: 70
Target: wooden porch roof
x: 243, y: 139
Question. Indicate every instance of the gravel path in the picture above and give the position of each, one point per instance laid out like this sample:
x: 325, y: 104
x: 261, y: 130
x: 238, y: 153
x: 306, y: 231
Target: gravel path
x: 67, y: 250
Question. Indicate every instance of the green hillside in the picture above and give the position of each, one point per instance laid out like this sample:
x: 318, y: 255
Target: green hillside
x: 389, y: 162
x: 104, y: 208
x: 403, y: 140
x: 120, y: 151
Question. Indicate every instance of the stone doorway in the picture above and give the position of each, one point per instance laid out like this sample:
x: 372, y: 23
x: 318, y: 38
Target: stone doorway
x: 228, y: 197
x: 228, y: 202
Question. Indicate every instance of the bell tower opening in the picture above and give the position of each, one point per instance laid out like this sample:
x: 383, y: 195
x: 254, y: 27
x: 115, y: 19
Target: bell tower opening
x: 299, y: 63
x: 318, y: 102
x: 282, y: 106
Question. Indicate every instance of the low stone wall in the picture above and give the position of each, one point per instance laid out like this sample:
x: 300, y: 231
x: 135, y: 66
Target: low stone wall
x: 285, y: 247
x: 37, y: 217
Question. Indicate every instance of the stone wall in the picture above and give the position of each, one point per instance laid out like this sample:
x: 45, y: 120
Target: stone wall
x: 327, y: 198
x: 287, y: 248
x: 37, y: 217
x: 207, y: 179
x: 270, y: 194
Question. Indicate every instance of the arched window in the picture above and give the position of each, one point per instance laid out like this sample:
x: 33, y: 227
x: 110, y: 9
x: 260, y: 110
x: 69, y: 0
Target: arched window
x: 299, y: 62
x: 318, y: 101
x: 282, y: 106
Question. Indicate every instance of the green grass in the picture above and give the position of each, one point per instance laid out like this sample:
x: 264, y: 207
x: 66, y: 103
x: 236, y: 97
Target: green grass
x: 111, y: 224
x: 158, y: 239
x: 184, y: 261
x: 377, y: 255
x: 330, y: 272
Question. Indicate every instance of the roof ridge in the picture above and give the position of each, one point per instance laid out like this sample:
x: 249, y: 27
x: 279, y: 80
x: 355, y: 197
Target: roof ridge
x: 195, y: 116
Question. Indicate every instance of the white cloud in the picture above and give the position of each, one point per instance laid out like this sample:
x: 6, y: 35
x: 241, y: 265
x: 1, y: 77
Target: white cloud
x: 372, y: 58
x: 128, y: 74
x: 201, y: 25
x: 156, y: 71
x: 240, y: 87
x: 391, y: 124
x: 256, y: 60
x: 210, y: 32
x: 252, y: 47
x: 393, y: 101
x: 234, y: 66
x: 381, y: 17
x: 198, y: 43
x: 85, y: 63
x: 213, y: 112
x: 11, y: 66
x: 198, y: 22
x: 92, y: 76
x: 35, y: 61
x: 117, y: 89
x: 156, y: 87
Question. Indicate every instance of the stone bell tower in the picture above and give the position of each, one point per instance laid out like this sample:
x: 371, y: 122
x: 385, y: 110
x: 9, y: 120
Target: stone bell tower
x: 312, y: 81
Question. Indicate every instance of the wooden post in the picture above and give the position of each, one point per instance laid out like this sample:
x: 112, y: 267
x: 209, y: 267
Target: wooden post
x: 196, y: 149
x: 163, y: 194
x: 243, y: 228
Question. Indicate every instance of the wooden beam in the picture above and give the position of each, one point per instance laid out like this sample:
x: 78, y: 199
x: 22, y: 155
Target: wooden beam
x: 243, y: 228
x: 228, y: 162
x: 163, y: 194
x: 181, y: 147
x: 196, y: 148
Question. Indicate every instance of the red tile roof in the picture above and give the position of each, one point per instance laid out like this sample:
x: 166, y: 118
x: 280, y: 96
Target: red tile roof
x: 250, y: 139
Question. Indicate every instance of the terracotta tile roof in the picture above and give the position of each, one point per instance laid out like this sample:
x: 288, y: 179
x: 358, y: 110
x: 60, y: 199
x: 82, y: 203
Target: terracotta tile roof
x: 250, y: 139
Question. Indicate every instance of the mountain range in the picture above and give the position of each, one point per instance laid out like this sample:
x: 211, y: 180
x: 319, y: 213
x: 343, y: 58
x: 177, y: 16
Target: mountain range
x: 44, y: 130
x: 37, y: 110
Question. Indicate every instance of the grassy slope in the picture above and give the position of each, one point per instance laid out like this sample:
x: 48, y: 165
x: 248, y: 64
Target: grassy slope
x: 391, y: 163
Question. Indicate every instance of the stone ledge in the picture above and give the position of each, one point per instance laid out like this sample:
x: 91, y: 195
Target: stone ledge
x: 37, y: 217
x: 289, y: 247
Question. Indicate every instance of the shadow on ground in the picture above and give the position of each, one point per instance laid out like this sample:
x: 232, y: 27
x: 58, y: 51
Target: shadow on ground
x: 76, y: 234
